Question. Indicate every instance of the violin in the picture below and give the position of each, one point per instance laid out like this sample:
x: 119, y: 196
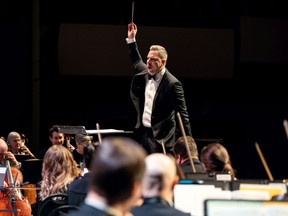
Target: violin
x: 12, y: 202
x: 70, y: 147
x: 99, y: 134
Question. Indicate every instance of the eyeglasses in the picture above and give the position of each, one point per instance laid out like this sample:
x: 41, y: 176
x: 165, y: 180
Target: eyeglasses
x: 152, y: 59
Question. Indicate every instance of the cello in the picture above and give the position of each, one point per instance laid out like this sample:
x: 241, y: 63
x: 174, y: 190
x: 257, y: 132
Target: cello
x: 12, y: 202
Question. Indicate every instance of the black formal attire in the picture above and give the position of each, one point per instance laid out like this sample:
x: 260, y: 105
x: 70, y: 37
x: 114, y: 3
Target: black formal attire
x: 42, y: 152
x: 77, y: 190
x: 79, y: 158
x: 187, y: 168
x: 88, y: 210
x: 155, y: 206
x: 168, y: 101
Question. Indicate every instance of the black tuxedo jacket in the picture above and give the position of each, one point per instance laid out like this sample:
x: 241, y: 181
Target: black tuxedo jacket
x: 77, y: 190
x: 156, y: 207
x: 169, y: 100
x: 88, y: 210
x: 187, y: 168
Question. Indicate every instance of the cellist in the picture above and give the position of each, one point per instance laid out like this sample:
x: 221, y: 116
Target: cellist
x: 5, y: 154
x: 14, y: 175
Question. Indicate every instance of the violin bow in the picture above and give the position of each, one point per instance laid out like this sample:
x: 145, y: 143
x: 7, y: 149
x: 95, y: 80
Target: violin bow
x: 99, y: 134
x: 264, y: 162
x: 186, y: 142
x: 285, y: 124
x: 163, y: 147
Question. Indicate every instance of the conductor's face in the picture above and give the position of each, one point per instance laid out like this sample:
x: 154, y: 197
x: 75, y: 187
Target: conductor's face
x: 154, y: 63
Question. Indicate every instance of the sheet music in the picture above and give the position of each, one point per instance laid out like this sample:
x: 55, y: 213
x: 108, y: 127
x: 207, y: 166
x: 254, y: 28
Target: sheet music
x: 190, y: 198
x: 245, y: 207
x: 3, y: 171
x: 271, y: 189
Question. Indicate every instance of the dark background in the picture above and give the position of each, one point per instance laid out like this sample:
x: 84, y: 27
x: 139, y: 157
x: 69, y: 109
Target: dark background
x: 247, y: 107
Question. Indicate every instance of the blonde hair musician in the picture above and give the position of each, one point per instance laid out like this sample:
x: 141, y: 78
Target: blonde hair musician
x: 58, y: 170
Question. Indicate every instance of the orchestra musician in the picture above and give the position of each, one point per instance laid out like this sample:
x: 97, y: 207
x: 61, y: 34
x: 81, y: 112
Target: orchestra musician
x: 5, y: 154
x: 12, y: 199
x: 215, y: 158
x: 182, y: 156
x: 56, y: 137
x: 58, y: 170
x: 17, y: 146
x: 81, y: 140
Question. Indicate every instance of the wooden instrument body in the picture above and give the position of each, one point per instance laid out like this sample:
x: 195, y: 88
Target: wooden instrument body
x: 12, y: 201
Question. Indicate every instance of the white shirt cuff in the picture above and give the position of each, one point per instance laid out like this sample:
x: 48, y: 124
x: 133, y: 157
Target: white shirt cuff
x: 130, y: 40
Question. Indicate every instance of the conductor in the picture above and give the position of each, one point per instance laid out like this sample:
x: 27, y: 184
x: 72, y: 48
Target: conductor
x: 157, y: 96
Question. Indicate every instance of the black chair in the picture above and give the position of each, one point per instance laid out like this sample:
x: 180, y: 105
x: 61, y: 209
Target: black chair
x: 50, y: 203
x: 63, y: 210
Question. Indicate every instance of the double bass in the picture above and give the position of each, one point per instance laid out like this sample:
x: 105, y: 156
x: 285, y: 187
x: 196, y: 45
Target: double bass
x: 12, y: 202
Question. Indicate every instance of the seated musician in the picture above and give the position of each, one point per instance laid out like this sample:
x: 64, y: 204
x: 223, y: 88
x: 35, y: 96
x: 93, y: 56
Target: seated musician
x: 7, y: 155
x: 215, y: 158
x: 58, y: 170
x: 56, y: 137
x: 182, y: 156
x: 78, y: 188
x: 81, y: 140
x: 13, y: 174
x: 17, y: 146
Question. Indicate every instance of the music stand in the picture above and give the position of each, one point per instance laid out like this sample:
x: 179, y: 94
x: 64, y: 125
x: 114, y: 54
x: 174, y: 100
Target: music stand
x: 214, y: 176
x: 81, y: 130
x: 22, y: 157
x: 31, y: 170
x: 72, y: 129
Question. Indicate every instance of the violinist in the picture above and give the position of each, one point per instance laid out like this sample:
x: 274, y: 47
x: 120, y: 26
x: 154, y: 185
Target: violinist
x: 17, y: 146
x: 78, y: 188
x: 182, y: 156
x: 81, y: 140
x: 56, y: 137
x: 58, y: 170
x: 215, y: 158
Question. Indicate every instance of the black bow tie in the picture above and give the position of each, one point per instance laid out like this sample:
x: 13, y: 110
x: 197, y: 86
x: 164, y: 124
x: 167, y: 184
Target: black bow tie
x: 151, y: 76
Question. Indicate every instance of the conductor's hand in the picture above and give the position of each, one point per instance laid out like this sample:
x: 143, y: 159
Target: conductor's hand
x: 132, y: 30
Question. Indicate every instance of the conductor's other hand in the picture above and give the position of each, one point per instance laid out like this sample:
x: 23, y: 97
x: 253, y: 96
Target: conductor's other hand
x: 132, y: 30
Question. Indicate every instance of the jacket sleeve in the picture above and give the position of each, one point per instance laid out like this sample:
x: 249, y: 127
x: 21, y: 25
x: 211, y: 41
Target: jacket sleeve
x: 135, y: 58
x: 180, y: 106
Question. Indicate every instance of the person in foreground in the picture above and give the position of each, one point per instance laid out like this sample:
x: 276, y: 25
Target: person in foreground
x: 157, y: 96
x: 116, y: 174
x: 157, y: 187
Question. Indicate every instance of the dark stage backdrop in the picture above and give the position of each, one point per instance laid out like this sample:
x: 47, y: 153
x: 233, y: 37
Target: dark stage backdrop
x: 99, y: 50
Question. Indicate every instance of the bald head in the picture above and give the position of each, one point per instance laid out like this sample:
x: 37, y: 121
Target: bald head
x: 159, y: 163
x: 160, y: 175
x: 3, y: 148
